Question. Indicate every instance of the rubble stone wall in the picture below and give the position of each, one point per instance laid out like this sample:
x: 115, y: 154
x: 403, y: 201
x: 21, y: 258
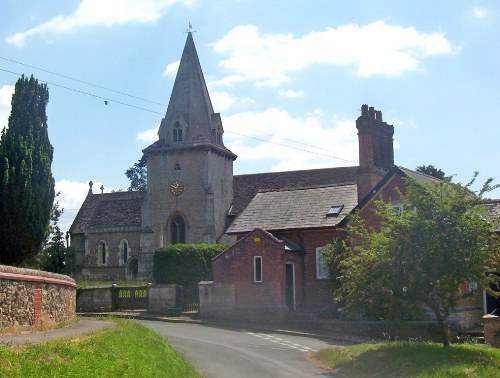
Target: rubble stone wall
x: 28, y: 297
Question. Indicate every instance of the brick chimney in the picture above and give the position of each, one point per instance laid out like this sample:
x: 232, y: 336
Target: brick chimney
x: 376, y: 151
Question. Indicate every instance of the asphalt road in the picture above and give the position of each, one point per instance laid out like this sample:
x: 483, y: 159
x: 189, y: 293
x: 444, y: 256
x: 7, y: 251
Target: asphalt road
x: 222, y: 352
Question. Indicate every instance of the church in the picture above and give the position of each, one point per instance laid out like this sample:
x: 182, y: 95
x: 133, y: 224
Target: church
x: 192, y: 195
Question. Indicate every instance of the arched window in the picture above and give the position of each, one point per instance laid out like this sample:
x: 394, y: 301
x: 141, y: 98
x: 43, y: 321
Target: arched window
x: 178, y: 230
x: 102, y: 253
x: 124, y: 251
x: 177, y: 132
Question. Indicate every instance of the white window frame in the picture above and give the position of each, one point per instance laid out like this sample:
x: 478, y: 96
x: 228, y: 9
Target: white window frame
x: 255, y: 268
x: 321, y: 269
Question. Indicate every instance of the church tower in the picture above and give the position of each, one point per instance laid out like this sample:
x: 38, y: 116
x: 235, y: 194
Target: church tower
x: 190, y: 171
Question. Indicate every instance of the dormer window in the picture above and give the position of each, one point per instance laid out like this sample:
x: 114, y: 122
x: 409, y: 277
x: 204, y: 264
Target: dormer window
x: 335, y: 210
x: 177, y: 134
x: 217, y: 135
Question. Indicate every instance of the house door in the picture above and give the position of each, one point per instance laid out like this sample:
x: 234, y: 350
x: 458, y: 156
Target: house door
x: 290, y: 285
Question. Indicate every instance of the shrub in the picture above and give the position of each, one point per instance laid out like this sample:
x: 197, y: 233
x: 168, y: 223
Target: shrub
x: 185, y: 264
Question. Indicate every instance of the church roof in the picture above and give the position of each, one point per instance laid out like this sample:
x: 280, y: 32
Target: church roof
x: 297, y: 209
x: 109, y: 211
x: 245, y: 187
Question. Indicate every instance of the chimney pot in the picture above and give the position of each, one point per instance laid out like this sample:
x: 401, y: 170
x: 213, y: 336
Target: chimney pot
x: 364, y: 110
x: 378, y: 115
x: 371, y: 111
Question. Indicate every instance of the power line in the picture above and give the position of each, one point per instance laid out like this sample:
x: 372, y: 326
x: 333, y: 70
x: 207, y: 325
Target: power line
x: 82, y: 81
x: 107, y: 100
x: 292, y: 147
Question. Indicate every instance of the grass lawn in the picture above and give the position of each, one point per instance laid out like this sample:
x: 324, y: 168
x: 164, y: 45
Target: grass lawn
x: 411, y: 359
x: 86, y: 284
x: 129, y: 350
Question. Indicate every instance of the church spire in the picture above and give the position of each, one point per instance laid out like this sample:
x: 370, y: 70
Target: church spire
x: 190, y: 117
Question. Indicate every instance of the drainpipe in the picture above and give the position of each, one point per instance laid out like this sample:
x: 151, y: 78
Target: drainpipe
x: 302, y: 254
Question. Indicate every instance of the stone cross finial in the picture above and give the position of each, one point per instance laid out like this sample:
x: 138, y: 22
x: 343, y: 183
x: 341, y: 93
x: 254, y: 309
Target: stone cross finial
x: 102, y: 189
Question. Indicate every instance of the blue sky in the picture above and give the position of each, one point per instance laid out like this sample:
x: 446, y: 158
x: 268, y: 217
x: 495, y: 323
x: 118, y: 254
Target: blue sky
x: 290, y: 72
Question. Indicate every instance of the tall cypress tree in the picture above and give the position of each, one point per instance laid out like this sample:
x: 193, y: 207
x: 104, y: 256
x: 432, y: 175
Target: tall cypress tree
x: 26, y: 182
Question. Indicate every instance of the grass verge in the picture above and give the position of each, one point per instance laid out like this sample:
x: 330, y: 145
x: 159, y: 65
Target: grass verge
x: 411, y: 359
x: 129, y: 350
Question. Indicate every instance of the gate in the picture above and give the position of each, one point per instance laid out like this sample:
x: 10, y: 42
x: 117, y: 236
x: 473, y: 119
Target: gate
x: 188, y: 300
x: 130, y: 298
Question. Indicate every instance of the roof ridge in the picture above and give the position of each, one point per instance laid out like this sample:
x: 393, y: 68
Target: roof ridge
x: 306, y: 187
x: 298, y: 170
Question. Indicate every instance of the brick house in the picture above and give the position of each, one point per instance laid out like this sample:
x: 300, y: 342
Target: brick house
x: 192, y: 196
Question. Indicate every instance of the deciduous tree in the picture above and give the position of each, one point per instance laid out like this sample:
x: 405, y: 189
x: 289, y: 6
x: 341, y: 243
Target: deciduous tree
x: 418, y: 258
x: 433, y: 171
x: 137, y: 174
x: 26, y: 182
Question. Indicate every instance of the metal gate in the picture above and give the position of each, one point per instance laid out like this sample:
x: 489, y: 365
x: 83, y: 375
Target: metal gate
x: 130, y: 298
x: 188, y: 300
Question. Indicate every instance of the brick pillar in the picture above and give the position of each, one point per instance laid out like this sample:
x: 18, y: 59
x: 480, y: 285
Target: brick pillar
x: 37, y: 304
x: 67, y: 303
x: 491, y: 329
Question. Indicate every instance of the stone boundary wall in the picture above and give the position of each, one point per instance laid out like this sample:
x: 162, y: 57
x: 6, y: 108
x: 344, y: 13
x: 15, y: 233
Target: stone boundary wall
x: 386, y: 330
x: 30, y: 297
x: 162, y: 298
x: 95, y: 299
x: 219, y: 301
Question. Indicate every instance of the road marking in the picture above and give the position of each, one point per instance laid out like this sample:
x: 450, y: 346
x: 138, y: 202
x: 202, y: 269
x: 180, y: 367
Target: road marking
x: 283, y: 342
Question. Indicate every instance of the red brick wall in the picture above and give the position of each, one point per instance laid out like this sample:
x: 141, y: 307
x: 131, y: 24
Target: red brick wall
x: 236, y: 265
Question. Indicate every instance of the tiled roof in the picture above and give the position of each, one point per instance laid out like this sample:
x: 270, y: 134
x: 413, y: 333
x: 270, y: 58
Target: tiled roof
x: 295, y: 209
x: 110, y: 210
x: 420, y: 177
x: 245, y: 187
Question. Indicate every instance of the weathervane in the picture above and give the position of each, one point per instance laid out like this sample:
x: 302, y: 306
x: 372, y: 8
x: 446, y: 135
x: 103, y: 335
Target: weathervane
x: 190, y: 28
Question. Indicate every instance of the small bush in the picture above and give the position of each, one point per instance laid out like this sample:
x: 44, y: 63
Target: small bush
x: 185, y: 264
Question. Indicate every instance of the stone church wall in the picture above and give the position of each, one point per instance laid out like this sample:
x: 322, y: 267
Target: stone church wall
x: 31, y: 298
x: 115, y: 268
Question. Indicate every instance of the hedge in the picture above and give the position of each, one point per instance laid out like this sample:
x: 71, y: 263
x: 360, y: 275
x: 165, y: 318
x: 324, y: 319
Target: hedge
x: 185, y: 264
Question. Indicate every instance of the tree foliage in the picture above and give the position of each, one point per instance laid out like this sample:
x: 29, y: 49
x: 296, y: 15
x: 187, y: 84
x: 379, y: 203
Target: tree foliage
x: 420, y: 258
x: 138, y: 174
x: 185, y: 264
x: 26, y: 182
x: 433, y: 171
x: 52, y: 258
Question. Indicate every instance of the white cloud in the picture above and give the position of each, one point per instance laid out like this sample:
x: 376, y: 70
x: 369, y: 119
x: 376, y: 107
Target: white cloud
x: 331, y: 138
x: 96, y: 12
x: 373, y: 49
x: 222, y: 101
x: 72, y: 195
x: 171, y: 69
x: 291, y: 94
x: 149, y: 136
x: 5, y: 98
x: 479, y: 12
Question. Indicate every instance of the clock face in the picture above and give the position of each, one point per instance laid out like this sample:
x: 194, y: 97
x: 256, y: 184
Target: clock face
x: 176, y: 188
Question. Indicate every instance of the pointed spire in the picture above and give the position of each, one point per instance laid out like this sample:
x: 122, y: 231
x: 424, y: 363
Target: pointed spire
x: 189, y: 107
